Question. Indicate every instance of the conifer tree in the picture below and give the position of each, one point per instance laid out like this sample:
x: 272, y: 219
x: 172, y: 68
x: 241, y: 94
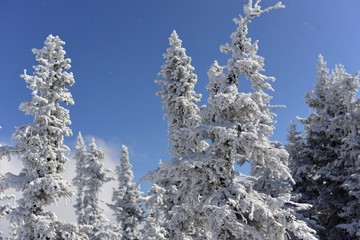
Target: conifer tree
x: 5, y: 184
x: 248, y: 114
x: 303, y: 165
x: 302, y: 171
x: 41, y: 146
x: 210, y: 200
x: 126, y: 199
x: 79, y: 180
x: 179, y: 98
x: 239, y: 126
x: 94, y: 176
x: 300, y: 164
x: 5, y: 181
x: 294, y: 147
x: 179, y: 101
x: 343, y: 175
x: 349, y: 176
x: 329, y: 132
x: 6, y: 208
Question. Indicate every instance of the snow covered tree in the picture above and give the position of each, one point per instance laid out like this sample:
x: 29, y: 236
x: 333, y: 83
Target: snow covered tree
x: 179, y: 98
x: 6, y: 182
x: 79, y: 180
x: 344, y: 173
x: 211, y: 200
x: 179, y: 102
x: 337, y: 188
x: 93, y: 176
x: 349, y: 176
x: 239, y: 126
x: 294, y: 146
x: 302, y: 171
x: 302, y: 163
x: 41, y: 146
x: 331, y: 144
x: 126, y: 199
x: 5, y: 208
x: 248, y: 114
x: 153, y: 229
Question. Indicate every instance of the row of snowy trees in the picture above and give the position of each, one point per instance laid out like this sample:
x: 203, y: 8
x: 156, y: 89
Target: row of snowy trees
x: 198, y: 194
x: 40, y: 146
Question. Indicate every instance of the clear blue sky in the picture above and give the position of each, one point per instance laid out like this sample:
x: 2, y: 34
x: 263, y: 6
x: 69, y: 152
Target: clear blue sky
x: 116, y: 49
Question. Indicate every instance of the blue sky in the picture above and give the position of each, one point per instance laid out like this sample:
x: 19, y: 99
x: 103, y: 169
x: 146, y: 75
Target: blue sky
x: 116, y: 49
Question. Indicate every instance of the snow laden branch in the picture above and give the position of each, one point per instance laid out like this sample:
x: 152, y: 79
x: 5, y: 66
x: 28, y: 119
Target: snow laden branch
x: 7, y: 151
x: 243, y: 60
x: 254, y: 10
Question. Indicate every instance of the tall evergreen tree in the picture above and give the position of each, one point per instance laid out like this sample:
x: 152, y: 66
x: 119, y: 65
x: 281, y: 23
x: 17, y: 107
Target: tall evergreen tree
x: 344, y: 173
x: 5, y: 208
x: 349, y: 176
x: 300, y: 164
x: 294, y: 147
x: 302, y: 171
x: 41, y: 146
x: 79, y: 180
x: 126, y: 199
x: 239, y: 126
x: 246, y: 117
x: 179, y: 98
x: 328, y: 134
x: 8, y: 181
x: 210, y: 200
x: 179, y: 101
x: 303, y: 165
x: 95, y: 175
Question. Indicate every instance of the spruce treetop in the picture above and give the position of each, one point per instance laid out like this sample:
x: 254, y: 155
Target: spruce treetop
x: 179, y: 98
